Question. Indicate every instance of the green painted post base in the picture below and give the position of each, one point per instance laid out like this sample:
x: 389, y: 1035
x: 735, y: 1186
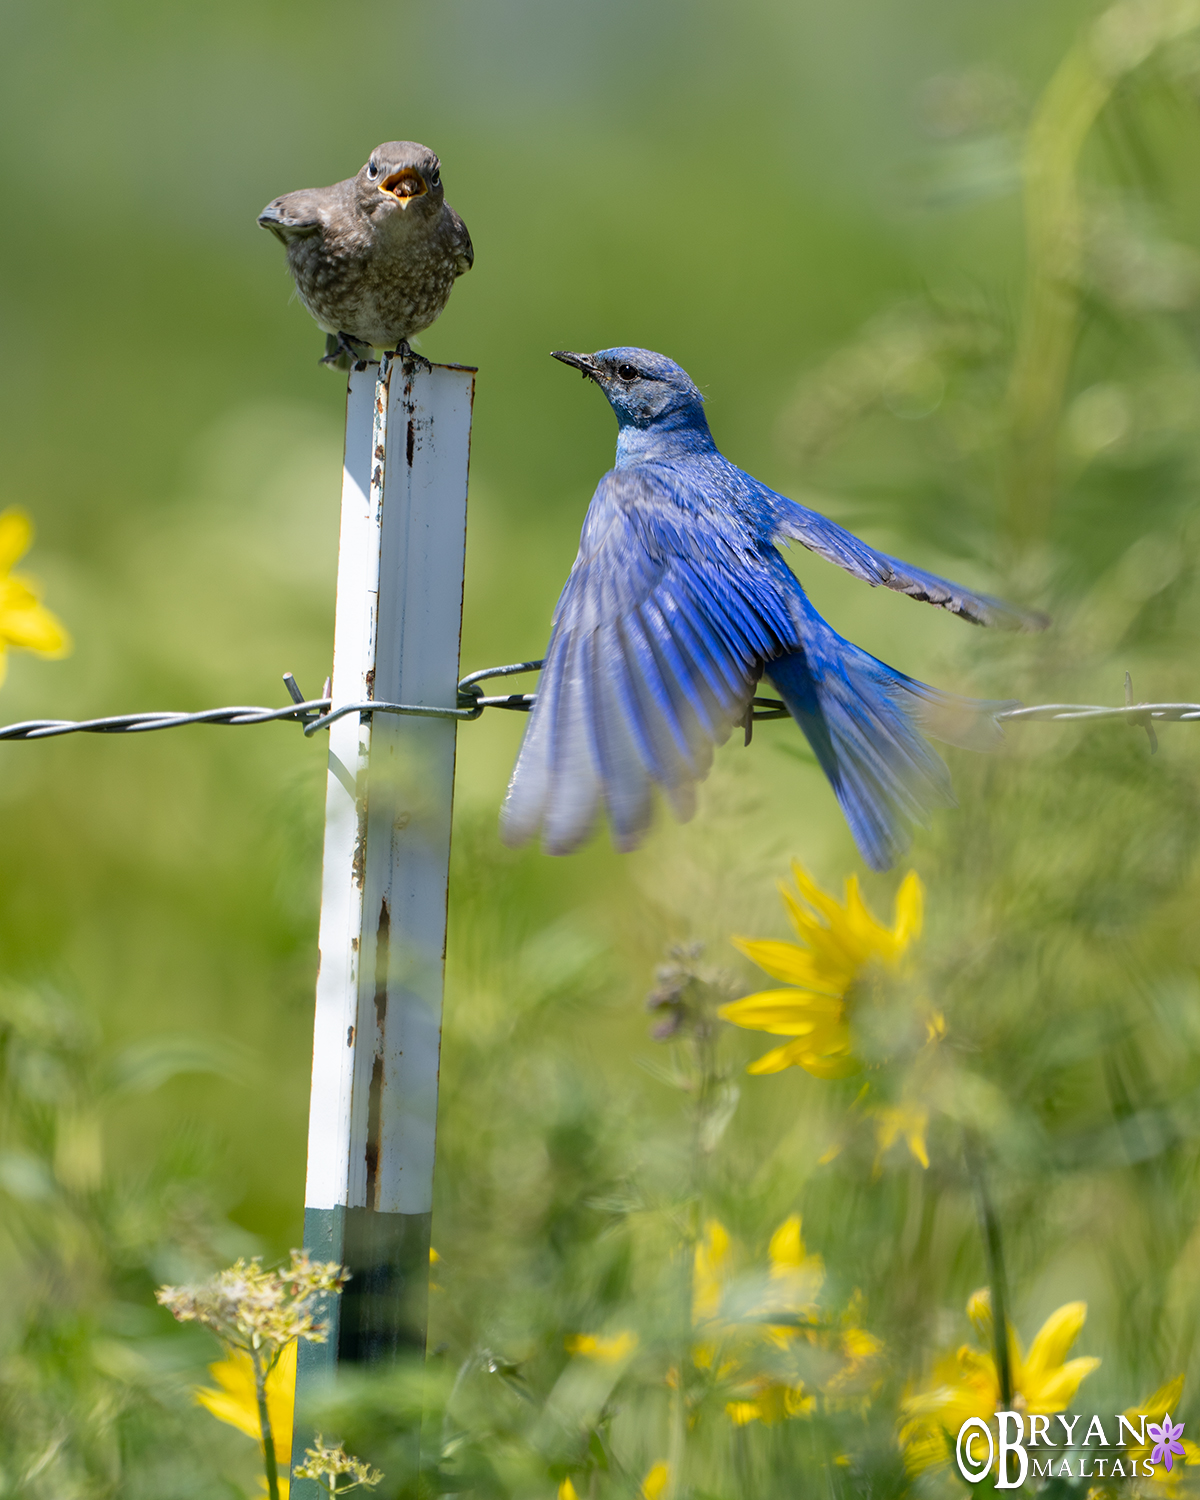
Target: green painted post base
x: 379, y: 1318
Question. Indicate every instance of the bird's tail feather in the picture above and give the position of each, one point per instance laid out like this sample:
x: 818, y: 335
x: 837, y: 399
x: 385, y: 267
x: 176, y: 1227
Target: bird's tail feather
x: 865, y: 722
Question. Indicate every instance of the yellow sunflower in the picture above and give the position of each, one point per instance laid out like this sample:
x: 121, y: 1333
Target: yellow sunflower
x: 839, y: 941
x: 966, y: 1383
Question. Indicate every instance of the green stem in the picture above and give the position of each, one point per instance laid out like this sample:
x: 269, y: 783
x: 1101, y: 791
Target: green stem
x: 261, y: 1371
x: 995, y: 1260
x: 677, y: 1432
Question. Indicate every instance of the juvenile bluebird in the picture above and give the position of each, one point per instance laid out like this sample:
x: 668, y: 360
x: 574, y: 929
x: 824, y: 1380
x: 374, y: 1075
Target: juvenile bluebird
x: 679, y: 601
x: 375, y: 257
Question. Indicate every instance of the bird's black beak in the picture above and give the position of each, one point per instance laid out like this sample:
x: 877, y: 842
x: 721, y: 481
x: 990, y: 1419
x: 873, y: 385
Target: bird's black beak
x: 269, y: 219
x: 584, y: 363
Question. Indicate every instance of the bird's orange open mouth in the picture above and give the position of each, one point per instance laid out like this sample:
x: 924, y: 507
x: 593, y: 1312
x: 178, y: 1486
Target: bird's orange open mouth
x: 405, y: 184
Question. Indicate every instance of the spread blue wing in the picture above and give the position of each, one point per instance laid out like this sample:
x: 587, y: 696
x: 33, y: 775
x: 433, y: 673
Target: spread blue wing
x: 795, y: 522
x: 655, y: 650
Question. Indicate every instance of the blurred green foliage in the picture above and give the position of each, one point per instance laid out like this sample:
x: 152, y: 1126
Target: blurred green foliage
x: 818, y: 210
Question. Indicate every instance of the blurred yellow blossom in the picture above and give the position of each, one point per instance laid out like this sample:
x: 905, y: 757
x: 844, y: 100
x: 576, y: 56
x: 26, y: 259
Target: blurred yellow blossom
x: 652, y: 1487
x: 25, y: 622
x: 966, y: 1384
x: 608, y: 1349
x: 710, y: 1263
x: 1154, y: 1408
x: 796, y: 1278
x: 908, y: 1120
x: 838, y: 942
x: 656, y: 1481
x: 757, y: 1346
x: 233, y: 1400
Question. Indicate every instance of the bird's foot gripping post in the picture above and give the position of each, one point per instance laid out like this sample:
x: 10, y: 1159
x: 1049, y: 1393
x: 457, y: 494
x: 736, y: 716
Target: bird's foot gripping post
x: 408, y: 355
x: 377, y: 1030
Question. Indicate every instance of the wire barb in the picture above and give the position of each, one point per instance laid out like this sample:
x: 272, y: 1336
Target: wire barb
x: 1144, y: 720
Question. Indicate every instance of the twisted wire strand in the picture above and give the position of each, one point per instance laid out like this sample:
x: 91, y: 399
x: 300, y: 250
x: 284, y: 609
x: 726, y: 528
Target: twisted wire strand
x: 318, y: 713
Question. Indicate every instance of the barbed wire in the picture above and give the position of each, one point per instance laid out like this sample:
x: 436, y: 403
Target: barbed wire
x: 318, y: 713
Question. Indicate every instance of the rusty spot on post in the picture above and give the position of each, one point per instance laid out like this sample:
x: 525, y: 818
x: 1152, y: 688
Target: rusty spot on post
x: 383, y: 936
x: 374, y: 1132
x: 375, y: 1097
x: 359, y: 863
x: 412, y: 441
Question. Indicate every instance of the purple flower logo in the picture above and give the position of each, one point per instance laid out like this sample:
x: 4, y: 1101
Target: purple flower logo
x: 1166, y: 1441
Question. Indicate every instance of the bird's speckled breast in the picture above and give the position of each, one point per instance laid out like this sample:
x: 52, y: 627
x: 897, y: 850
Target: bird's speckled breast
x: 374, y: 293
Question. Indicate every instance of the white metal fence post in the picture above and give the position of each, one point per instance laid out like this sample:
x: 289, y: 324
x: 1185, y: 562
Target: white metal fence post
x: 377, y: 1031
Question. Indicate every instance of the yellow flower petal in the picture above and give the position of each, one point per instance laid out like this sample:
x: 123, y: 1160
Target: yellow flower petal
x: 1054, y: 1391
x: 656, y: 1481
x: 567, y: 1491
x: 26, y: 623
x: 1165, y: 1399
x: 910, y: 910
x: 783, y: 1012
x: 908, y: 1120
x: 1054, y: 1339
x: 836, y: 1063
x: 778, y: 1059
x: 791, y: 963
x: 234, y: 1401
x: 870, y: 935
x: 709, y: 1270
x: 860, y: 1345
x: 825, y: 906
x: 837, y: 950
x: 830, y: 1067
x: 608, y: 1349
x: 979, y: 1310
x: 16, y: 536
x: 786, y: 1248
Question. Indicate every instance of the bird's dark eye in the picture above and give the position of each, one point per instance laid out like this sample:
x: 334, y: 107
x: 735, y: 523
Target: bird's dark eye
x: 435, y: 180
x: 372, y: 171
x: 628, y: 372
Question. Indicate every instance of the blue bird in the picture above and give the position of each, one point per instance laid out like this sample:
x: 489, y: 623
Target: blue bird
x: 679, y: 601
